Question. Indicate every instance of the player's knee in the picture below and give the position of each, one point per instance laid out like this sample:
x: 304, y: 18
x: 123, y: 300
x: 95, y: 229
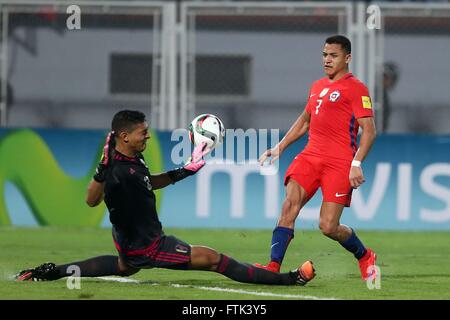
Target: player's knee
x: 214, y: 261
x: 328, y: 229
x: 213, y: 258
x: 125, y: 270
x: 204, y: 258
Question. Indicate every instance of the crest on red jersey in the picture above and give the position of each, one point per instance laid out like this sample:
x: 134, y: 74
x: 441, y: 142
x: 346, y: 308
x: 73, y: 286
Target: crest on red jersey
x: 334, y: 96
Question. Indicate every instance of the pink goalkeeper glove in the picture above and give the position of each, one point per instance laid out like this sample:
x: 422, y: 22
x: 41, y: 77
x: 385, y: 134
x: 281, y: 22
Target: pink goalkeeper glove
x: 107, y: 148
x: 102, y: 168
x: 196, y: 162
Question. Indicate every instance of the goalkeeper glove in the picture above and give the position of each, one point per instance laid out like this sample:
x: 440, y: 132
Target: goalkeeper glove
x: 105, y: 160
x: 194, y: 164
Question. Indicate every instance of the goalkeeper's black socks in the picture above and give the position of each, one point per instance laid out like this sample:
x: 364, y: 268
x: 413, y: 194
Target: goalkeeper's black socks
x: 247, y: 273
x: 94, y: 267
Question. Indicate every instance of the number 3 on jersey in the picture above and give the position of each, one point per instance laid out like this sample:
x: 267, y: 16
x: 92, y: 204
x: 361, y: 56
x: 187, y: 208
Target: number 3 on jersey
x: 319, y: 102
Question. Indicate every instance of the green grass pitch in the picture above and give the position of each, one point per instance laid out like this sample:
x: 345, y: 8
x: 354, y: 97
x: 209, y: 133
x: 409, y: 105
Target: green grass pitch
x: 414, y: 265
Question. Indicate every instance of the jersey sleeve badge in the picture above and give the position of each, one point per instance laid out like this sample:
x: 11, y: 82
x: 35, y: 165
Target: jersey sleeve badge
x: 366, y: 103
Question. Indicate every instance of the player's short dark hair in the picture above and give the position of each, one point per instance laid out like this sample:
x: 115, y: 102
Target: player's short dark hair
x: 126, y: 120
x: 345, y: 43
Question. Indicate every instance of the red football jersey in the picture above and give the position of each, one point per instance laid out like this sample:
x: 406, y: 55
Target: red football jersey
x: 334, y: 108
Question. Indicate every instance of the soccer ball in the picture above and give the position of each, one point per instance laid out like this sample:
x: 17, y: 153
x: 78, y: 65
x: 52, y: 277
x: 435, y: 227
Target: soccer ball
x: 207, y: 128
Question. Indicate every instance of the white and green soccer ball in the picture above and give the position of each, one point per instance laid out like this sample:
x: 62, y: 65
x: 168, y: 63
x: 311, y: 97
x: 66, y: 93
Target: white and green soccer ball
x: 207, y: 128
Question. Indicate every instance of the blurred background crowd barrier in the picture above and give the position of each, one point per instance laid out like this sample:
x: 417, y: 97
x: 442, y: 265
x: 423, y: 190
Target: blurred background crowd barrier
x: 250, y: 63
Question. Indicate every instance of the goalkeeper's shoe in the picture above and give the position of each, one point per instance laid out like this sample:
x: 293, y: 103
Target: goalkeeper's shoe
x: 271, y: 266
x: 305, y: 273
x: 367, y: 265
x: 44, y: 272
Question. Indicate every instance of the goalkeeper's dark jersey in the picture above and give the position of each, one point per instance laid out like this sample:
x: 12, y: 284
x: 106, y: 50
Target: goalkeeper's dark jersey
x: 131, y: 203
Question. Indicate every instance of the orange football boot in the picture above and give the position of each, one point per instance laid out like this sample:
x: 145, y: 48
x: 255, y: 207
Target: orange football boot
x: 305, y: 273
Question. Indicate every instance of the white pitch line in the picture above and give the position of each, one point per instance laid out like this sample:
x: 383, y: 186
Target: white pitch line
x: 229, y: 290
x: 256, y: 293
x: 119, y: 279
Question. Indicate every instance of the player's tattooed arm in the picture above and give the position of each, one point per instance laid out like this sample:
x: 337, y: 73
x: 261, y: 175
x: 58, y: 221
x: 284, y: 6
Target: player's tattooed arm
x: 368, y: 136
x: 367, y: 139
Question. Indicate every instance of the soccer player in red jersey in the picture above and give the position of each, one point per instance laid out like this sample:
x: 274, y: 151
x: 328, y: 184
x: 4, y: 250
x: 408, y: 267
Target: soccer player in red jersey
x: 337, y: 106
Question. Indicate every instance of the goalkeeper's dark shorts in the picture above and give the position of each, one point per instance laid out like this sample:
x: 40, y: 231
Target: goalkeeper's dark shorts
x: 166, y: 252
